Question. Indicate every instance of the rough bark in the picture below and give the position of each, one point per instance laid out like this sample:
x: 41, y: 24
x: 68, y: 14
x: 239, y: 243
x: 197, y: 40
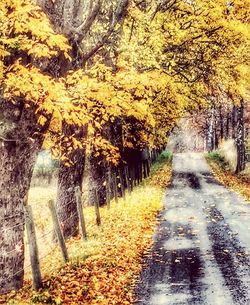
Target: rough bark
x: 66, y: 204
x: 20, y: 142
x: 145, y: 162
x: 234, y: 121
x: 98, y: 174
x: 211, y: 133
x: 228, y: 119
x: 69, y: 177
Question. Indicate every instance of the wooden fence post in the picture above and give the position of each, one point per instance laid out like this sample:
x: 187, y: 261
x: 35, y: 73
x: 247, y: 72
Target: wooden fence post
x: 97, y: 209
x: 80, y: 213
x: 34, y: 256
x: 58, y: 230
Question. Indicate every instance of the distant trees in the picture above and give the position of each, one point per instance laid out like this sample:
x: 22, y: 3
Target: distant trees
x: 221, y: 121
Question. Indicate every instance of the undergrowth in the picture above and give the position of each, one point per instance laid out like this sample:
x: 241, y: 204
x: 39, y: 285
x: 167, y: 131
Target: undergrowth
x: 164, y: 158
x: 237, y: 182
x: 104, y: 269
x: 217, y: 158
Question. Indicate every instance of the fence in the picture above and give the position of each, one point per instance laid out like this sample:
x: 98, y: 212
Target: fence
x: 40, y: 241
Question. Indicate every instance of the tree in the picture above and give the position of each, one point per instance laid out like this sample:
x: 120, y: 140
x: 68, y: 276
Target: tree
x: 28, y: 100
x: 88, y: 30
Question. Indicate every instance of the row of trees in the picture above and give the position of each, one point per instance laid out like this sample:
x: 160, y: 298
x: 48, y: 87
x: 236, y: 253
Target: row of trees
x: 221, y: 121
x: 100, y: 83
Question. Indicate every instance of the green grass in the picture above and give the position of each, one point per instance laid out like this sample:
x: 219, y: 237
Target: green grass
x: 164, y: 158
x: 216, y: 157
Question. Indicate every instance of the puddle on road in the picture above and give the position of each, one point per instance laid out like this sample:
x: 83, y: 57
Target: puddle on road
x: 183, y: 279
x: 230, y: 257
x: 186, y: 269
x: 210, y: 179
x: 180, y: 179
x: 175, y: 271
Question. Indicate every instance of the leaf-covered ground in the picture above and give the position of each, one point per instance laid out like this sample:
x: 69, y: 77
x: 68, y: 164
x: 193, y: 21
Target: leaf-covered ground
x: 104, y: 269
x: 238, y: 183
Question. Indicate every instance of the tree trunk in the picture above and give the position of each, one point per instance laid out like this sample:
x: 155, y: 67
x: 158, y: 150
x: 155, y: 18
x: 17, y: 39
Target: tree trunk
x: 66, y: 205
x: 145, y: 162
x: 97, y: 180
x: 210, y: 134
x: 75, y: 20
x: 19, y: 146
x: 240, y: 139
x: 234, y: 122
x: 69, y: 177
x: 228, y: 125
x: 221, y: 124
x: 216, y: 139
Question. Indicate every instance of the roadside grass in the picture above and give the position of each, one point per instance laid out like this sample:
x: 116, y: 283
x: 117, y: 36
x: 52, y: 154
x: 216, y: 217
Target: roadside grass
x: 240, y: 183
x: 165, y: 157
x: 217, y: 158
x: 105, y: 268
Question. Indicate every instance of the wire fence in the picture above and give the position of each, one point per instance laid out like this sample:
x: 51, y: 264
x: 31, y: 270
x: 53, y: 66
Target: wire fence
x: 44, y: 236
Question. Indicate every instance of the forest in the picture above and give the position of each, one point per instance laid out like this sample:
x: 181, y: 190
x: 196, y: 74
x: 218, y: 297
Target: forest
x: 102, y: 85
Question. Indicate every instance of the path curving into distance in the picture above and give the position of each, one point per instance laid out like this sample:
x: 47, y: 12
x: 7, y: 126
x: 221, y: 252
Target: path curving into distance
x: 201, y: 252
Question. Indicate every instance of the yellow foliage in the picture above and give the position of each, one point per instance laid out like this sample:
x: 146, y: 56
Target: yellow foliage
x: 26, y: 31
x: 24, y: 27
x: 168, y: 61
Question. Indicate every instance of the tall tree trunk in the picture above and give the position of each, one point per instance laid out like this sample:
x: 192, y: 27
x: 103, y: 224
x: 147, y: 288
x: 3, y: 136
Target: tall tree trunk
x: 69, y: 177
x: 75, y: 19
x: 221, y: 124
x: 234, y: 121
x: 98, y: 176
x: 19, y: 146
x: 145, y: 162
x: 210, y: 134
x: 216, y: 139
x: 228, y: 125
x: 240, y: 138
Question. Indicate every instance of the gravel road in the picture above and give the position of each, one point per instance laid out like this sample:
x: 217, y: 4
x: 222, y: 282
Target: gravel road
x: 202, y: 245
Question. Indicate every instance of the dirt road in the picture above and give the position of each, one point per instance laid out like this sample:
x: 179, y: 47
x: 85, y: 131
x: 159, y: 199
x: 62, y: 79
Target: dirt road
x: 202, y: 245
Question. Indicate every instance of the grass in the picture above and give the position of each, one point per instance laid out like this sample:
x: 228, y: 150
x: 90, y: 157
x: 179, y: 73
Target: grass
x: 104, y: 269
x: 217, y: 158
x: 240, y: 183
x: 164, y: 158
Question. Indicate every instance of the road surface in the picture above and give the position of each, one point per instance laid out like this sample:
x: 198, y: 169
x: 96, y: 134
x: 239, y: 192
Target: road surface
x: 202, y: 245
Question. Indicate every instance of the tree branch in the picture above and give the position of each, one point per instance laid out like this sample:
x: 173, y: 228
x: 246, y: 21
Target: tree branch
x: 117, y: 16
x: 86, y: 25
